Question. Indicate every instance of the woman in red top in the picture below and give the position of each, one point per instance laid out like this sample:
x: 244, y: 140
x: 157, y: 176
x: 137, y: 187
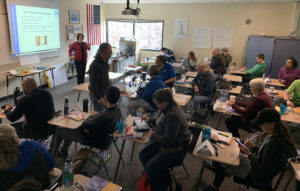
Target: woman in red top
x: 80, y: 48
x: 248, y: 111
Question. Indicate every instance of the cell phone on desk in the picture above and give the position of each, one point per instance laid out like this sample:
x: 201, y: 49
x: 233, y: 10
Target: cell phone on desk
x: 239, y: 142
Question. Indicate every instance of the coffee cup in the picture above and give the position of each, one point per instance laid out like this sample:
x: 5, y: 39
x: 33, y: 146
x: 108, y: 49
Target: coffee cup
x: 271, y: 89
x: 232, y: 98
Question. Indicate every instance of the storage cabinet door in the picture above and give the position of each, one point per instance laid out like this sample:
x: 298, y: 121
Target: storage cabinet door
x: 253, y: 49
x: 266, y: 48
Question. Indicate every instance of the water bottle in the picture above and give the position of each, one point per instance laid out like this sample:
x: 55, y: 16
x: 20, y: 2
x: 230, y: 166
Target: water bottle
x: 68, y: 174
x: 206, y: 133
x: 182, y: 79
x: 85, y: 105
x: 234, y: 66
x: 66, y: 106
x: 224, y: 95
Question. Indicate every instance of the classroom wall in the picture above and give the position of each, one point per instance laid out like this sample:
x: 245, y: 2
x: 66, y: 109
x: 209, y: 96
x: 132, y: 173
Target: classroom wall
x: 276, y: 19
x: 65, y: 6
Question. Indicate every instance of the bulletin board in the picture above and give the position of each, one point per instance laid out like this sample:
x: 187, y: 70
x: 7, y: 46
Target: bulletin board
x: 71, y: 32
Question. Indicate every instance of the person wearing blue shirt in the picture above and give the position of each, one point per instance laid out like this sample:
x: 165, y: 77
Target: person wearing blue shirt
x: 168, y: 53
x: 167, y: 73
x: 145, y: 94
x: 204, y: 86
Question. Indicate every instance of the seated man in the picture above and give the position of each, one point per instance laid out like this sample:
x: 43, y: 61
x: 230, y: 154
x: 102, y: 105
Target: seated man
x: 248, y: 111
x: 168, y: 53
x: 204, y: 85
x: 293, y: 92
x: 145, y: 94
x: 217, y: 64
x: 94, y: 130
x: 167, y: 74
x: 259, y: 69
x: 37, y: 106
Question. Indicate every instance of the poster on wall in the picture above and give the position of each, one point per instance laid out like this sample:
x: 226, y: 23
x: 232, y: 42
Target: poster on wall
x: 223, y: 37
x: 202, y: 37
x: 181, y: 28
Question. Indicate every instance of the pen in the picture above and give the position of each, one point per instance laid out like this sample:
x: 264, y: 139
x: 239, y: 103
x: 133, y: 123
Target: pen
x: 223, y: 134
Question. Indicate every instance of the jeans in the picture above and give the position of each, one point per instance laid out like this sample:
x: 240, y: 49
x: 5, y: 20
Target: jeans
x: 94, y: 101
x: 68, y: 135
x: 137, y: 103
x: 80, y: 70
x: 156, y: 165
x: 200, y: 101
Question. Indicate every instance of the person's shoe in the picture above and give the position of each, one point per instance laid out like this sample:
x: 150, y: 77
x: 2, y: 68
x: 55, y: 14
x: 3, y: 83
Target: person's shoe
x: 210, y: 188
x: 62, y: 154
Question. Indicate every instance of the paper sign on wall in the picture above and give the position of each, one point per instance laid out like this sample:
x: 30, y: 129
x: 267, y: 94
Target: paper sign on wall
x: 77, y: 28
x: 223, y: 37
x: 202, y: 37
x: 181, y: 28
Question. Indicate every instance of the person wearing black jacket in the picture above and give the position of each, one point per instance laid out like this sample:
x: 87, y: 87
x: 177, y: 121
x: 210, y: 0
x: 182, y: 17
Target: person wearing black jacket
x: 99, y: 76
x: 167, y: 148
x: 95, y: 130
x: 37, y: 106
x: 264, y: 162
x: 217, y: 64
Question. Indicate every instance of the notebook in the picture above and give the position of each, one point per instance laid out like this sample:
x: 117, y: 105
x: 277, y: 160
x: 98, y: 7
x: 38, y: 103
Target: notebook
x: 99, y: 184
x: 223, y: 137
x: 141, y: 125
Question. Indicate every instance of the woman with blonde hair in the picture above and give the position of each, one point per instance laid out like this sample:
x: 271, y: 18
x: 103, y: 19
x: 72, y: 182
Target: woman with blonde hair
x: 20, y: 160
x: 167, y: 147
x: 189, y: 63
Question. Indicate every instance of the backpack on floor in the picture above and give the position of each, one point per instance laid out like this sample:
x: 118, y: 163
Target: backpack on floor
x: 80, y: 159
x: 144, y: 184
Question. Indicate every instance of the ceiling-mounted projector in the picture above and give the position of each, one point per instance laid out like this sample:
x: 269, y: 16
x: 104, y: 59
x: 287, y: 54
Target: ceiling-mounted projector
x: 130, y: 11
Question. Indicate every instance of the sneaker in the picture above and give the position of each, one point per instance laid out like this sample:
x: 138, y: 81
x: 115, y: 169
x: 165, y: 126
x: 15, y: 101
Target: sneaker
x: 210, y: 188
x: 62, y: 154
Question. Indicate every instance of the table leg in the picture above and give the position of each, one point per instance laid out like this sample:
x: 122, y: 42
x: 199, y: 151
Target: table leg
x: 195, y: 187
x: 119, y: 160
x: 220, y: 119
x: 40, y: 79
x: 7, y: 84
x: 53, y: 78
x: 132, y: 151
x: 118, y: 151
x: 53, y: 144
x: 78, y: 96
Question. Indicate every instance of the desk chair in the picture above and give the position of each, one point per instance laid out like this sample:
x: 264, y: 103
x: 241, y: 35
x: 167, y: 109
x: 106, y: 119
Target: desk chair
x: 270, y: 188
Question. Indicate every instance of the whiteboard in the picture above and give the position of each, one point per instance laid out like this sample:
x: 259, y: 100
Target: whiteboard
x: 223, y: 37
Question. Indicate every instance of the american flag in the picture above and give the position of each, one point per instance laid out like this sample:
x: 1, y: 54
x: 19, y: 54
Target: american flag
x: 93, y: 24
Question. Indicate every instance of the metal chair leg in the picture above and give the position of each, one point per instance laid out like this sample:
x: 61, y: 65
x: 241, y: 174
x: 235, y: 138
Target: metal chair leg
x: 185, y: 170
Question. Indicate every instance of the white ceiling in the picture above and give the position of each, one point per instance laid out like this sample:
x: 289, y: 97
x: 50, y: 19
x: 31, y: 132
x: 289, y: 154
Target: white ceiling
x: 199, y: 1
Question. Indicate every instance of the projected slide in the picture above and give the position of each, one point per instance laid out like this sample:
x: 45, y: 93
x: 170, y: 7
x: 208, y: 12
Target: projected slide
x: 34, y: 29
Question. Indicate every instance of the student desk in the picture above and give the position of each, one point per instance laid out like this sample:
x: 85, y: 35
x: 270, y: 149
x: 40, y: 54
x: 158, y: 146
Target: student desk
x: 184, y: 85
x: 235, y: 90
x: 228, y: 155
x: 237, y: 72
x: 85, y: 86
x: 278, y: 94
x: 182, y: 99
x: 176, y: 65
x: 32, y: 72
x: 191, y: 74
x: 274, y: 82
x: 146, y: 139
x: 82, y: 180
x: 233, y: 78
x: 292, y: 117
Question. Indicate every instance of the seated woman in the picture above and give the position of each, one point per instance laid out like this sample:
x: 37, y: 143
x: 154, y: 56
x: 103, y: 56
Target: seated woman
x: 189, y: 63
x: 289, y: 72
x: 248, y: 111
x: 167, y: 147
x: 264, y: 163
x: 17, y: 161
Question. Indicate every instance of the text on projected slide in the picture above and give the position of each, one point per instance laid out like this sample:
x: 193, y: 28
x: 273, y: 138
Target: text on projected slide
x: 34, y: 29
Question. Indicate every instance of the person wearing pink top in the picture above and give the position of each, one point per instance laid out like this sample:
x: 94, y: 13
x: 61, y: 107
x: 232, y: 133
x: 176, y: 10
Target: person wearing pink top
x: 289, y: 72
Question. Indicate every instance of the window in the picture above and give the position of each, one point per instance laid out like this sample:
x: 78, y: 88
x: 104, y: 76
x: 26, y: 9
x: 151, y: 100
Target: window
x: 117, y: 30
x: 148, y: 33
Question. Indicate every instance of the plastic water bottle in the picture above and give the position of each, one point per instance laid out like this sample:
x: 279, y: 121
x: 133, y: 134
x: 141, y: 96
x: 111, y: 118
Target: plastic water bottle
x: 182, y: 79
x: 68, y: 175
x: 224, y: 95
x: 206, y: 133
x: 66, y: 106
x: 234, y: 66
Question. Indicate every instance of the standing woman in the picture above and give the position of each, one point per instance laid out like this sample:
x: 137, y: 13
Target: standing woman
x: 80, y: 48
x: 166, y: 149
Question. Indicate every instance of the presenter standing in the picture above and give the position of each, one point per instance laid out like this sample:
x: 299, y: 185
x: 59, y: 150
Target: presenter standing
x: 80, y: 48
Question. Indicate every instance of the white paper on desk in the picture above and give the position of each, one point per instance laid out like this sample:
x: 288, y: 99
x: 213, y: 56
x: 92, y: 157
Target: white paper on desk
x: 229, y: 109
x: 206, y: 148
x: 189, y: 80
x: 217, y: 103
x: 266, y: 80
x: 13, y: 72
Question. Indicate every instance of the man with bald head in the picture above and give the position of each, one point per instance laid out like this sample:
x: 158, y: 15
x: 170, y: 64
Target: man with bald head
x: 37, y: 106
x: 217, y: 64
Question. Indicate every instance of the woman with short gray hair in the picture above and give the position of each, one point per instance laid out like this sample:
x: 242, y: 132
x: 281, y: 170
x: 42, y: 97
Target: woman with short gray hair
x: 248, y: 111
